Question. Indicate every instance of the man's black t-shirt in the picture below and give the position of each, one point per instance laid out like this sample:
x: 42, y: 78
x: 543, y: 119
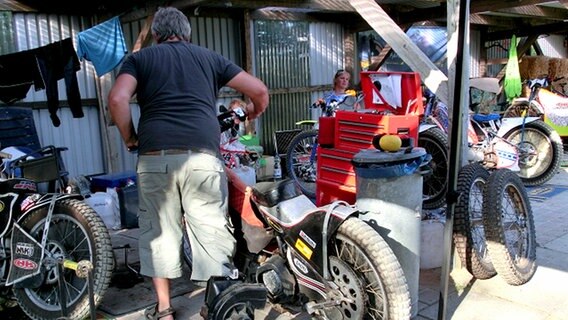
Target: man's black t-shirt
x: 177, y: 89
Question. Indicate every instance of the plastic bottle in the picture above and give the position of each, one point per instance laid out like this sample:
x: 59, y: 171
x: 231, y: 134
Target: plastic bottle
x: 277, y: 168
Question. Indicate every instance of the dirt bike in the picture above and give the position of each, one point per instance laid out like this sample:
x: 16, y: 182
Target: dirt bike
x: 544, y: 102
x: 526, y: 145
x: 323, y: 259
x: 56, y: 254
x: 301, y: 156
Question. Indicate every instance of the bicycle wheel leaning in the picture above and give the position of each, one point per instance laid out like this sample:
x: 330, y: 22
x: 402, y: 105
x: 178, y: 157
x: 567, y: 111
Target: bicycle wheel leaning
x: 509, y: 227
x: 301, y: 161
x: 469, y: 233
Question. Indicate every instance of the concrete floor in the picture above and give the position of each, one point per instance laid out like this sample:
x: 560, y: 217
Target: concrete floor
x: 544, y: 297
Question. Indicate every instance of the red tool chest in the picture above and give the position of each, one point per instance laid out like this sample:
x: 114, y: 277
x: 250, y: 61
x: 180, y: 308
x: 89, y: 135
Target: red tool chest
x: 354, y: 130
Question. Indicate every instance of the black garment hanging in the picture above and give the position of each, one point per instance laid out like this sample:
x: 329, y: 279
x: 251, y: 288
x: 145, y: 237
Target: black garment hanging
x: 18, y: 71
x: 56, y: 61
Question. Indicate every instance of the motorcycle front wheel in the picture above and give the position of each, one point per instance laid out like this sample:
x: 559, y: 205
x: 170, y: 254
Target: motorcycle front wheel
x: 469, y: 233
x: 368, y: 273
x: 509, y: 227
x: 435, y: 185
x: 76, y: 233
x: 540, y: 152
x: 301, y: 161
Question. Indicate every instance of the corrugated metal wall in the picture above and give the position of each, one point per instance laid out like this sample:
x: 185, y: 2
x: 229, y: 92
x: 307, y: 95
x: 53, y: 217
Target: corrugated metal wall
x: 475, y: 54
x: 81, y: 136
x: 290, y: 57
x: 553, y: 46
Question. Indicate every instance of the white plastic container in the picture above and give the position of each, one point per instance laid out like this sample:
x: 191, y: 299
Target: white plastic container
x: 432, y: 244
x: 107, y: 208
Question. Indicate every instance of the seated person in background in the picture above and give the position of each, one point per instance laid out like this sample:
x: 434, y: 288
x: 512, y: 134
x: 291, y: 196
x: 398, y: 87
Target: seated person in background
x: 339, y: 91
x: 340, y: 85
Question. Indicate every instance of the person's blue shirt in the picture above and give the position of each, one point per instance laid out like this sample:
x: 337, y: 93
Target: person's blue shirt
x: 332, y: 96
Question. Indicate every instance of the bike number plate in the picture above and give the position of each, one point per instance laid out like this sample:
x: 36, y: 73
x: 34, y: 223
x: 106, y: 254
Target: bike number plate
x: 26, y: 256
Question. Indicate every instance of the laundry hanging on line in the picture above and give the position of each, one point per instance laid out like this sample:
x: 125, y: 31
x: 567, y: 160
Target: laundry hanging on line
x: 103, y: 45
x: 42, y: 67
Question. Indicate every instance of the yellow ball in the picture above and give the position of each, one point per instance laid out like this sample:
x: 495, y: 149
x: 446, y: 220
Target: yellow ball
x: 390, y: 143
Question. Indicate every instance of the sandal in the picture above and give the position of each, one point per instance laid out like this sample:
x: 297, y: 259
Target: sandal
x: 153, y: 314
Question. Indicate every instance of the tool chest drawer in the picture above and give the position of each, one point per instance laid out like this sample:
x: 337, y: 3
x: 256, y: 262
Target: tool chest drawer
x: 355, y: 130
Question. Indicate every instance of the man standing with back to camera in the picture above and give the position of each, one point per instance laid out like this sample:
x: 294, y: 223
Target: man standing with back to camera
x: 179, y: 170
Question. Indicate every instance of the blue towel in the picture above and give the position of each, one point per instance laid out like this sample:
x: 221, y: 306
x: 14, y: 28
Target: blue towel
x: 103, y: 45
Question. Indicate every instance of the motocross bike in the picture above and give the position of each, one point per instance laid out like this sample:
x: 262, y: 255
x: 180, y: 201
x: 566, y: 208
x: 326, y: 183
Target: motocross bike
x: 526, y: 145
x: 301, y: 156
x: 56, y: 254
x: 544, y: 102
x: 323, y: 259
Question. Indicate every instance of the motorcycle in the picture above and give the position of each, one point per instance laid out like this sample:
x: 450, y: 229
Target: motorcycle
x: 55, y: 251
x: 544, y: 102
x: 323, y: 259
x: 526, y: 145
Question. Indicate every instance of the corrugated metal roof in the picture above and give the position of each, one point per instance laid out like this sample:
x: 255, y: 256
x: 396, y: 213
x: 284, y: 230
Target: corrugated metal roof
x: 11, y: 5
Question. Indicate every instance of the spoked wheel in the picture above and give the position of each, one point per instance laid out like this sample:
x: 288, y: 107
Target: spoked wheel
x: 540, y: 152
x: 509, y: 227
x: 469, y: 233
x: 435, y: 185
x: 516, y: 110
x: 367, y: 274
x: 301, y: 161
x: 76, y: 233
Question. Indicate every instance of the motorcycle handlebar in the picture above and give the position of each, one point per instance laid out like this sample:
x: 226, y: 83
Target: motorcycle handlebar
x: 227, y: 119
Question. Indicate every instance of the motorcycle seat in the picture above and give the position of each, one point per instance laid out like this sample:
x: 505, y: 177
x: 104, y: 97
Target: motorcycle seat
x: 486, y: 117
x: 269, y: 194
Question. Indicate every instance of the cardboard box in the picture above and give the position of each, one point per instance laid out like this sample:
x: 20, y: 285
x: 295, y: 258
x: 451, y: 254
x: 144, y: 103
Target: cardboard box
x: 265, y: 169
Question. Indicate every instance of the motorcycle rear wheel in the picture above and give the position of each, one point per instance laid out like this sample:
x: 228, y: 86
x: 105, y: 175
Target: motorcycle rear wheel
x: 380, y: 290
x: 516, y: 110
x: 469, y: 233
x: 540, y: 153
x: 301, y: 161
x: 435, y: 185
x: 78, y: 233
x: 509, y: 227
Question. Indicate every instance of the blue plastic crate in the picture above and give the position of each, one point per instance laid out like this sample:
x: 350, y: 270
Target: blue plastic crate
x: 114, y: 180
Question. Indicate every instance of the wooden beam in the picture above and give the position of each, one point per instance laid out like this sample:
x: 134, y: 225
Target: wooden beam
x: 380, y: 21
x: 435, y: 13
x: 145, y: 35
x: 561, y: 27
x: 298, y: 5
x: 536, y: 11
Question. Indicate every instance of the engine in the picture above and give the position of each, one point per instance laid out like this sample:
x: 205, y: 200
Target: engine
x: 277, y: 279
